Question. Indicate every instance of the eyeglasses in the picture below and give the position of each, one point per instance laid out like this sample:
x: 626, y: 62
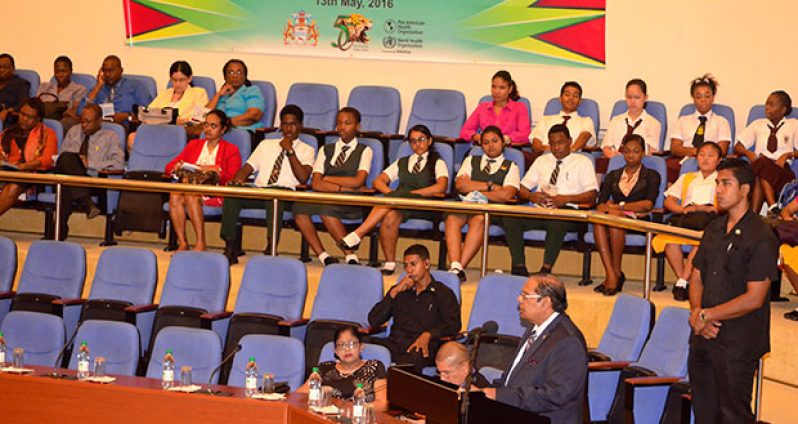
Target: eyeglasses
x: 419, y: 140
x: 233, y: 73
x: 530, y: 296
x: 211, y: 125
x: 347, y: 345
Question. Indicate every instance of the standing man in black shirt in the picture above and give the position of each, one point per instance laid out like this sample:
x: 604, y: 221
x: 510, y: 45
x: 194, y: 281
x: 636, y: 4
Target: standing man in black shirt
x: 729, y: 292
x: 423, y: 311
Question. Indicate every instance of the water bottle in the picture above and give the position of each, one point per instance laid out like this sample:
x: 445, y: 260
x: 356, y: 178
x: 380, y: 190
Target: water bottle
x: 168, y: 370
x: 359, y: 405
x: 251, y: 378
x: 83, y: 361
x: 2, y: 350
x: 314, y: 389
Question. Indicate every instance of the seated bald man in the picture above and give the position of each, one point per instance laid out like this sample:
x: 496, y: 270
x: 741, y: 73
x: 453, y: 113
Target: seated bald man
x: 549, y: 372
x: 453, y: 366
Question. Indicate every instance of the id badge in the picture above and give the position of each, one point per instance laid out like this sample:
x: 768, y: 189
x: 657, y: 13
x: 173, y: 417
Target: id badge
x: 108, y: 110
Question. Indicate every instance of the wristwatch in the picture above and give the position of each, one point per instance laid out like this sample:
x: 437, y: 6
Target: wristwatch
x: 490, y: 185
x: 289, y: 152
x: 702, y: 315
x: 621, y: 204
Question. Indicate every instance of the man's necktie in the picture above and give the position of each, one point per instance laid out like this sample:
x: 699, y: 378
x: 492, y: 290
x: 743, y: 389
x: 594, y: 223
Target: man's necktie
x: 84, y: 146
x: 487, y: 167
x: 339, y: 161
x: 417, y: 166
x: 278, y: 164
x: 631, y: 128
x: 527, y: 344
x: 773, y: 141
x: 565, y: 119
x: 555, y: 174
x: 698, y: 137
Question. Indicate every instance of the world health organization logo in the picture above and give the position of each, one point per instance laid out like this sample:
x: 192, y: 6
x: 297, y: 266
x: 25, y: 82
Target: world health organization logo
x: 389, y: 42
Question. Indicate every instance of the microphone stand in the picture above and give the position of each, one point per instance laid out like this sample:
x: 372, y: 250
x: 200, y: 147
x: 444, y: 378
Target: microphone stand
x: 471, y: 379
x: 209, y: 390
x: 56, y: 365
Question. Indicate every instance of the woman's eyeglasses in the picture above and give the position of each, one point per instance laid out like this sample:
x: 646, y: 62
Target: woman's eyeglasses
x: 347, y: 345
x: 211, y: 125
x: 418, y: 140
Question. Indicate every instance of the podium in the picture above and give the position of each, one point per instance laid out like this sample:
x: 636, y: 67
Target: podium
x: 440, y: 401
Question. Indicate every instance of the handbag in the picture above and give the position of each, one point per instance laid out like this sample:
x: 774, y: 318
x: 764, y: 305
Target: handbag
x: 197, y: 176
x: 156, y: 115
x: 53, y: 109
x: 787, y: 232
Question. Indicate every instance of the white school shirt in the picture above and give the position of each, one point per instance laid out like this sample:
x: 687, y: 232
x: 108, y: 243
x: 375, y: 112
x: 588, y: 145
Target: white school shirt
x: 758, y: 132
x: 392, y: 171
x: 511, y: 179
x: 577, y: 174
x: 263, y: 158
x: 365, y: 158
x: 649, y: 129
x: 717, y: 128
x: 576, y: 126
x: 701, y: 191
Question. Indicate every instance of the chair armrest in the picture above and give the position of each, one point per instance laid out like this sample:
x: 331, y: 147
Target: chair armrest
x: 7, y: 295
x: 69, y: 302
x: 295, y: 322
x: 369, y: 331
x: 215, y: 316
x: 107, y: 172
x: 267, y: 130
x: 652, y: 381
x: 311, y: 131
x: 396, y: 136
x: 374, y: 134
x: 303, y: 187
x: 137, y: 309
x: 596, y: 356
x: 663, y: 153
x: 607, y: 365
x: 367, y: 191
x: 443, y: 139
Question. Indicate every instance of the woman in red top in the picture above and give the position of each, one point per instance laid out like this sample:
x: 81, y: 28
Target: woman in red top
x: 211, y: 153
x: 28, y: 145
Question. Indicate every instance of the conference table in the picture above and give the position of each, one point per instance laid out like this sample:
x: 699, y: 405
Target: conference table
x: 31, y: 398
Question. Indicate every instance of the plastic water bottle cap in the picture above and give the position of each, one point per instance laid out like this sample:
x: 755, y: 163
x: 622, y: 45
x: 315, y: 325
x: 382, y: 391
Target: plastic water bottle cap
x: 83, y: 343
x: 251, y: 359
x: 169, y: 351
x: 315, y: 369
x: 359, y: 385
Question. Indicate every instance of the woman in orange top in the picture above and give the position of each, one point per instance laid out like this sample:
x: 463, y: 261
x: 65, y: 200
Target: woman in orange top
x: 28, y: 145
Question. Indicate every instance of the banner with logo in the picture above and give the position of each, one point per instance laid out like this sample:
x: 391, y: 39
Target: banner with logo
x: 558, y: 32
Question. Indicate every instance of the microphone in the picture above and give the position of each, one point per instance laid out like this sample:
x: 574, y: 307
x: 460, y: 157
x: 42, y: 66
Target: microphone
x: 489, y: 327
x: 56, y: 365
x: 221, y: 364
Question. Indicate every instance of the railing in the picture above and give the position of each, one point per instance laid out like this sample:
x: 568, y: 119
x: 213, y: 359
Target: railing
x: 649, y: 228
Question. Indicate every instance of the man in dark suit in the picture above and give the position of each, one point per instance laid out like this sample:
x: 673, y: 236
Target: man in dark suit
x: 549, y: 372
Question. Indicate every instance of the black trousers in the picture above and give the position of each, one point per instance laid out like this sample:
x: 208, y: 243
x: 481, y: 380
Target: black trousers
x: 400, y: 356
x: 70, y: 164
x: 721, y: 380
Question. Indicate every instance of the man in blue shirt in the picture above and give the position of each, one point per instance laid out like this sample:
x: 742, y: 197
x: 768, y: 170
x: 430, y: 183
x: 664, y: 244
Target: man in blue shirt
x: 113, y: 88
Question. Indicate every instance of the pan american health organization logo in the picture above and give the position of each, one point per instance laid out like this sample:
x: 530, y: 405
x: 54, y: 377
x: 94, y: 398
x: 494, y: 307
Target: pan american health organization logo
x: 301, y: 29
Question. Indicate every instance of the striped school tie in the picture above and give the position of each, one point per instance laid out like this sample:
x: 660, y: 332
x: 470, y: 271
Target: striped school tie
x: 487, y: 167
x: 555, y: 174
x: 773, y: 141
x: 278, y: 164
x: 417, y: 166
x: 339, y: 161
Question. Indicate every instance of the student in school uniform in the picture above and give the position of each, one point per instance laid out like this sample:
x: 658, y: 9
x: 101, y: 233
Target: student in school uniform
x: 560, y: 178
x: 692, y: 201
x: 341, y: 167
x: 703, y: 125
x: 789, y: 255
x: 503, y: 111
x: 421, y: 175
x: 635, y: 121
x: 629, y: 191
x: 489, y: 177
x: 581, y: 126
x: 773, y: 142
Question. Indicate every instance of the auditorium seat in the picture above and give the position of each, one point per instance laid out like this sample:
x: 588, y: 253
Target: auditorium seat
x: 622, y: 340
x: 117, y: 342
x: 194, y: 293
x: 588, y: 107
x: 443, y: 112
x: 270, y: 98
x: 380, y: 110
x: 195, y: 347
x: 86, y: 80
x: 655, y: 109
x: 40, y: 334
x: 319, y: 102
x: 148, y: 82
x: 284, y: 357
x: 8, y: 270
x: 370, y: 351
x: 758, y: 112
x: 57, y: 128
x: 32, y: 77
x: 52, y: 281
x: 345, y: 296
x: 496, y: 300
x: 270, y: 300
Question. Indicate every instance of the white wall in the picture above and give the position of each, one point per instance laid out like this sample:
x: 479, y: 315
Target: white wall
x: 667, y: 43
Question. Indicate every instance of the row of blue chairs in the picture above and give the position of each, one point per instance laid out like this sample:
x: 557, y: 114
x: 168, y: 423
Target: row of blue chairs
x: 277, y: 287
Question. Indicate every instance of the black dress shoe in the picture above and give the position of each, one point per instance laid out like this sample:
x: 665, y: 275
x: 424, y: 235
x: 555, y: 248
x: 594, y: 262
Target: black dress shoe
x: 330, y: 260
x: 232, y: 258
x: 92, y: 210
x: 599, y: 288
x: 680, y: 293
x: 520, y: 270
x: 386, y: 272
x: 621, y: 281
x: 353, y: 262
x: 611, y: 292
x: 461, y: 275
x: 343, y: 246
x: 792, y: 315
